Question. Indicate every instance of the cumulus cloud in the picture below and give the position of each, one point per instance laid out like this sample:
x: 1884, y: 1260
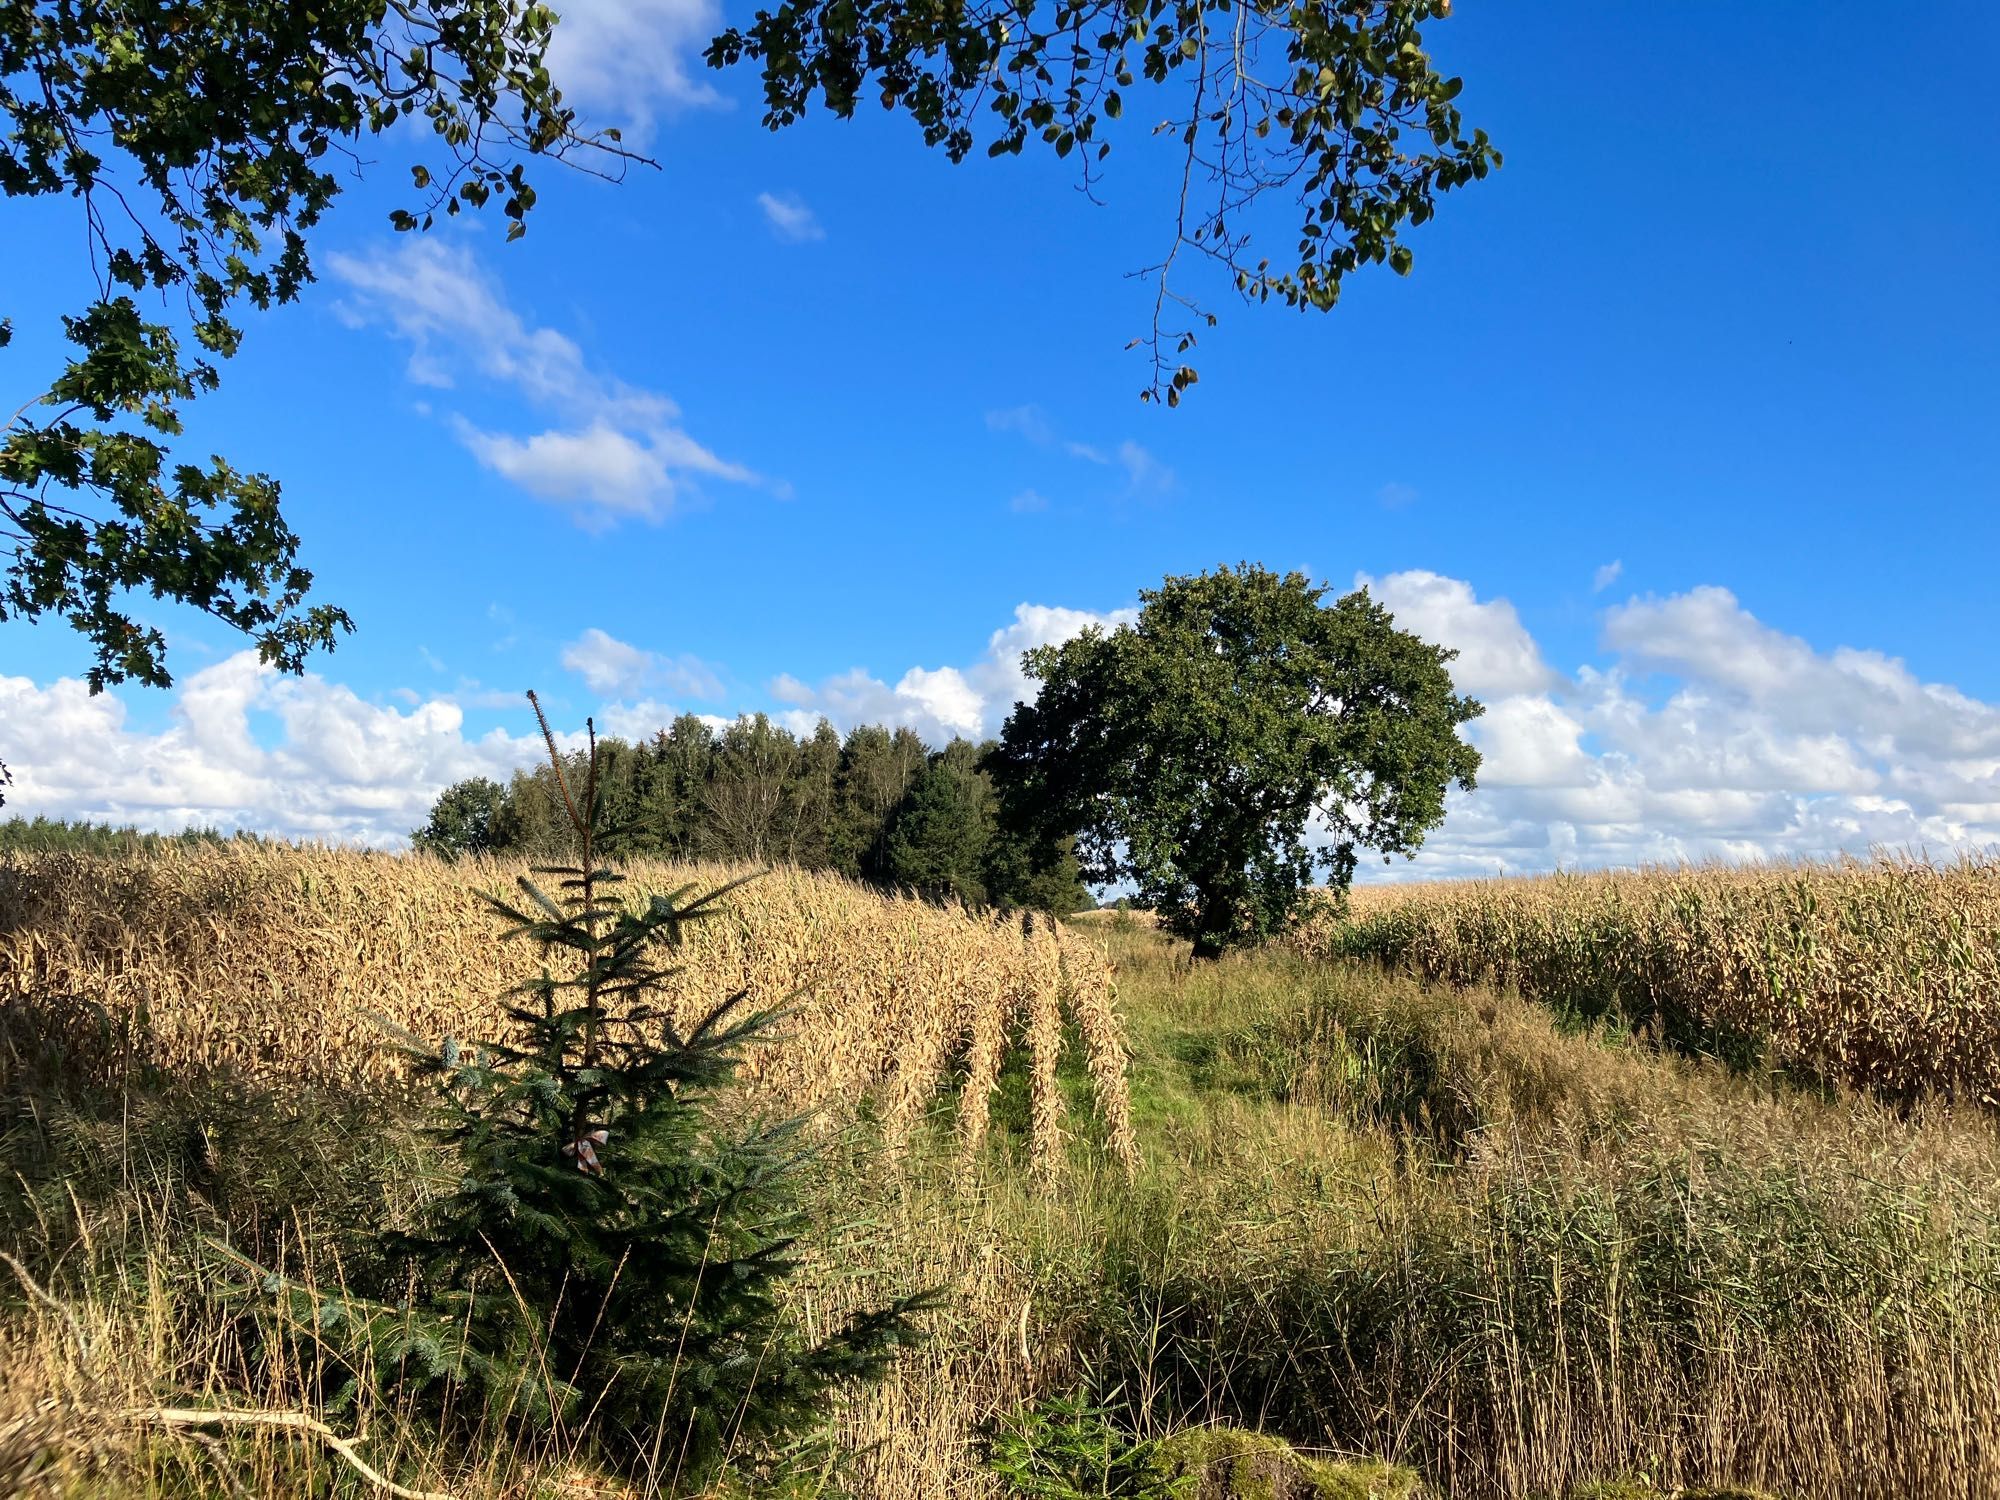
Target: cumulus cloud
x: 606, y: 664
x: 647, y: 717
x: 614, y: 668
x: 341, y: 769
x: 1496, y: 655
x: 1703, y: 733
x: 1707, y: 637
x: 790, y: 218
x: 615, y: 471
x: 1700, y: 733
x: 631, y: 61
x: 942, y: 702
x: 617, y: 451
x: 1697, y: 731
x: 939, y: 703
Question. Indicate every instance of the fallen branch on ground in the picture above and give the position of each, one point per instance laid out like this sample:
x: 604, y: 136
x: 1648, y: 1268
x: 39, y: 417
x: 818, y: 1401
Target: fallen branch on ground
x: 287, y: 1421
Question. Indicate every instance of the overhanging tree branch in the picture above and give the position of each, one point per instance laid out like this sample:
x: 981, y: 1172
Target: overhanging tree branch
x: 1332, y: 102
x: 208, y: 124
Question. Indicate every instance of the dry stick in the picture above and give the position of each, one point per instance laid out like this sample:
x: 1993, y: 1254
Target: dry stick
x: 289, y: 1421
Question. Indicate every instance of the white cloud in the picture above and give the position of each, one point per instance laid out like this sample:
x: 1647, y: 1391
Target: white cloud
x: 1030, y: 421
x: 1605, y: 576
x: 939, y: 703
x: 1496, y: 655
x: 617, y: 472
x: 1696, y: 732
x: 342, y: 769
x: 610, y: 666
x: 1705, y: 635
x: 790, y: 218
x: 606, y: 664
x: 642, y: 720
x: 618, y: 450
x: 1144, y: 472
x: 1530, y: 741
x: 632, y: 60
x: 1028, y: 502
x: 1705, y: 733
x: 1396, y: 496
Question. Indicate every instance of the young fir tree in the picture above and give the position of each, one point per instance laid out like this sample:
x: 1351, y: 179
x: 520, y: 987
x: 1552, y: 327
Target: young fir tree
x: 610, y: 1261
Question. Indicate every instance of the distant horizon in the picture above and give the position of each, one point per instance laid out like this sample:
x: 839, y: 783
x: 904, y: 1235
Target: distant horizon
x: 1368, y: 875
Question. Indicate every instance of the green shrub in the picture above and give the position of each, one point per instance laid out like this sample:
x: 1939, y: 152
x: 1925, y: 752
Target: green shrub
x: 1069, y: 1449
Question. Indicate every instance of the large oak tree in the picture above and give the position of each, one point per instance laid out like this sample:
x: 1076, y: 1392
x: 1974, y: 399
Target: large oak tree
x: 1243, y: 736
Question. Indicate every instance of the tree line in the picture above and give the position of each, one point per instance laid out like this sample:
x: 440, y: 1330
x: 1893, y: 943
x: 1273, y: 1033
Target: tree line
x: 880, y: 806
x: 44, y: 835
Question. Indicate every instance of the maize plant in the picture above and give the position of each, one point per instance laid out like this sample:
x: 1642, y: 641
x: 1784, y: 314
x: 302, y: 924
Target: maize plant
x: 285, y: 962
x: 1881, y: 974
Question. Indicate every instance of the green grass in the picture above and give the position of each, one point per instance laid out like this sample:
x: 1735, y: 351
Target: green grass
x: 1444, y: 1229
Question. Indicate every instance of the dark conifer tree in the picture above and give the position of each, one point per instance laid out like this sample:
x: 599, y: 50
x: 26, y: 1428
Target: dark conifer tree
x: 935, y: 840
x: 609, y: 1262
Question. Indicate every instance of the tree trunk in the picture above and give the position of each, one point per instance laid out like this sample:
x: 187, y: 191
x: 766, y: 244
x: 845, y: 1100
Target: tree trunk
x: 1216, y: 921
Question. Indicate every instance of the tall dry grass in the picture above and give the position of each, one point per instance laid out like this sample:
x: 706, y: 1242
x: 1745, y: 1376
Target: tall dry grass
x: 125, y: 1308
x: 283, y: 963
x: 1881, y: 974
x: 1378, y: 1217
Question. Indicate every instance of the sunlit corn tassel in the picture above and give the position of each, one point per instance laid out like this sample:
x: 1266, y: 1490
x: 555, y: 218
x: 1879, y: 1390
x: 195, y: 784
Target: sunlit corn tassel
x: 1086, y: 978
x: 1042, y: 992
x: 985, y: 1033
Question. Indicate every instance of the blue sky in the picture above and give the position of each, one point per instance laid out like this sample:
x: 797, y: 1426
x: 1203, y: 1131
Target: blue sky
x: 1683, y: 424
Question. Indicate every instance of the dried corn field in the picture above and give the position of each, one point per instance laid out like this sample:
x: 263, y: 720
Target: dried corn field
x: 1881, y: 974
x: 284, y: 962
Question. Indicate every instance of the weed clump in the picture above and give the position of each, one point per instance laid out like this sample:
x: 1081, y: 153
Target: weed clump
x: 1066, y: 1448
x: 1230, y: 1463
